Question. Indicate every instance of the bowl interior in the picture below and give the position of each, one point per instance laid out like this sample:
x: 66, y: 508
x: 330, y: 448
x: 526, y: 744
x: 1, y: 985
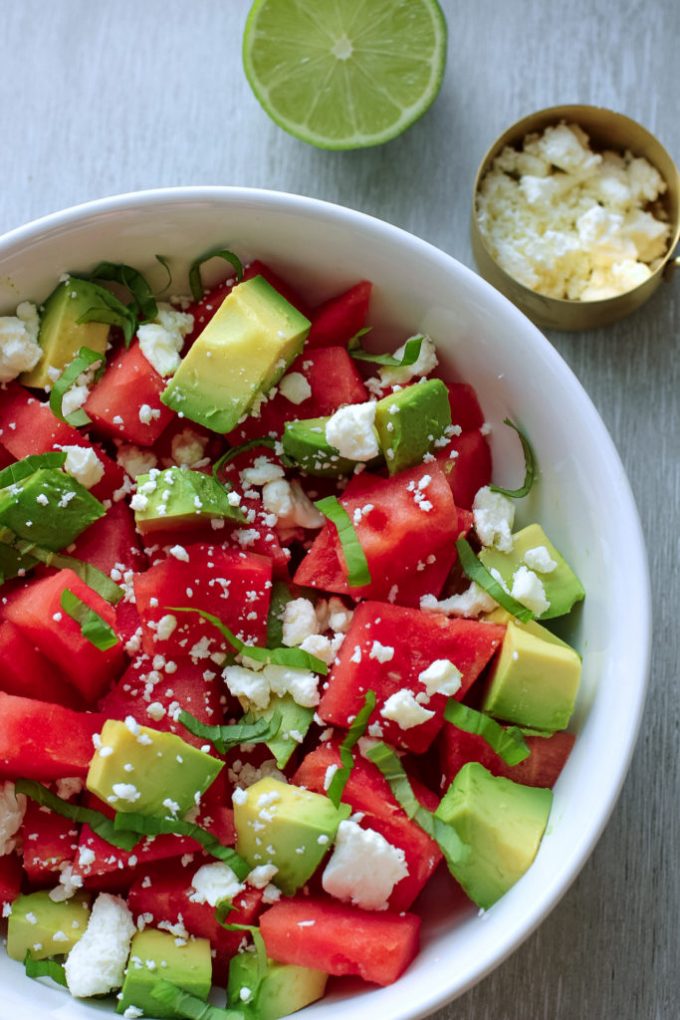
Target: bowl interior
x: 583, y: 500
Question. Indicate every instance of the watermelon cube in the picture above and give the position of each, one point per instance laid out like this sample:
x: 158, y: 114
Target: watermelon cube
x: 126, y: 404
x: 43, y: 741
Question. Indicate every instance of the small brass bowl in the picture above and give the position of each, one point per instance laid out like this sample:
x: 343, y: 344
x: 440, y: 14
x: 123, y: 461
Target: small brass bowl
x: 607, y: 130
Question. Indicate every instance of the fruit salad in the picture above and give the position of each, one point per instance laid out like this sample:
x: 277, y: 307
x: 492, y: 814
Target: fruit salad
x: 273, y: 651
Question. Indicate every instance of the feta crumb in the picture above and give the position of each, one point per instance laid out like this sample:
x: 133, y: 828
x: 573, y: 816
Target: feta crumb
x: 83, y: 464
x: 179, y: 552
x: 301, y: 684
x: 247, y: 684
x: 494, y: 516
x: 441, y: 677
x: 425, y: 363
x: 12, y: 808
x: 364, y: 868
x: 470, y: 603
x: 528, y: 589
x: 381, y: 653
x: 19, y: 347
x: 214, y: 882
x: 299, y: 621
x: 188, y: 448
x: 351, y: 431
x: 262, y: 471
x: 147, y: 414
x: 162, y: 340
x: 261, y: 876
x: 291, y: 505
x: 328, y: 776
x: 540, y: 560
x: 125, y: 791
x: 403, y: 709
x: 96, y: 964
x: 136, y: 461
x: 166, y: 626
x: 295, y: 388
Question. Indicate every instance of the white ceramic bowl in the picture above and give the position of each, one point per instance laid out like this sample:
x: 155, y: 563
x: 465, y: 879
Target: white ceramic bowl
x: 583, y: 500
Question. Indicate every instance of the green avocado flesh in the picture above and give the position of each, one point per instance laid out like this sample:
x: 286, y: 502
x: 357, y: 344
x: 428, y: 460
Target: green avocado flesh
x: 304, y: 441
x: 295, y: 722
x: 177, y: 497
x: 44, y: 927
x: 242, y: 352
x: 49, y: 508
x: 501, y: 822
x: 155, y: 956
x: 61, y: 335
x: 285, y: 989
x: 410, y: 421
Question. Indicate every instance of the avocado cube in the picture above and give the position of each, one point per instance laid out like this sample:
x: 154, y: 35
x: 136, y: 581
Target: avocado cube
x: 147, y: 771
x: 410, y: 421
x: 562, y: 587
x: 61, y: 335
x: 285, y: 989
x: 49, y: 508
x: 156, y: 956
x: 45, y: 927
x: 177, y: 498
x: 284, y: 825
x: 242, y: 352
x: 534, y: 681
x: 295, y: 722
x: 304, y: 441
x: 500, y: 822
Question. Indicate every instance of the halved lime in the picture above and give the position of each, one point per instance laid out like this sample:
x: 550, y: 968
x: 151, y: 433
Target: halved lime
x: 344, y: 74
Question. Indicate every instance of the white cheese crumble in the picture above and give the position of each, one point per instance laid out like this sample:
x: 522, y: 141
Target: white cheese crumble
x: 528, y: 589
x: 262, y: 471
x: 295, y: 387
x: 364, y: 868
x: 19, y: 348
x: 188, y: 448
x: 494, y: 516
x: 540, y: 560
x: 161, y: 341
x: 136, y: 461
x: 83, y: 464
x: 425, y: 363
x: 292, y: 506
x: 12, y: 808
x: 251, y: 686
x: 441, y: 677
x: 403, y: 709
x: 381, y: 653
x: 166, y: 626
x: 351, y: 431
x: 261, y: 876
x: 299, y: 622
x: 470, y: 603
x: 96, y: 964
x: 214, y: 882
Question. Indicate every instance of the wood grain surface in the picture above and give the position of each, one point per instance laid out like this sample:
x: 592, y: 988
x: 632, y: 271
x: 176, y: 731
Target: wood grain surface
x: 98, y: 98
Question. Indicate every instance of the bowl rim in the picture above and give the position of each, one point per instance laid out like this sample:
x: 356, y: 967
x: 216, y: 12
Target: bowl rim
x: 562, y: 879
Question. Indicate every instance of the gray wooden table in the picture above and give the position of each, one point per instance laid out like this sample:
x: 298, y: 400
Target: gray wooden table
x: 98, y: 98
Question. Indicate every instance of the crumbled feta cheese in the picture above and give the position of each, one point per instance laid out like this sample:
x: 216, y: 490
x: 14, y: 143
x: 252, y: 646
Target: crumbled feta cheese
x: 188, y: 448
x: 69, y: 787
x: 96, y: 964
x: 161, y: 341
x: 470, y: 603
x: 299, y: 621
x: 83, y: 464
x: 262, y: 471
x: 262, y: 875
x: 246, y: 684
x: 125, y: 791
x: 147, y: 414
x: 301, y: 684
x: 214, y: 882
x: 364, y: 868
x: 425, y: 363
x: 166, y: 626
x: 540, y: 560
x: 322, y: 647
x: 19, y: 347
x: 328, y: 776
x: 139, y: 501
x: 295, y: 387
x: 528, y: 589
x: 12, y: 808
x: 351, y: 431
x: 179, y: 552
x: 494, y: 516
x: 381, y: 653
x: 69, y: 884
x: 135, y: 461
x: 403, y: 709
x: 441, y: 677
x: 291, y: 505
x: 339, y: 616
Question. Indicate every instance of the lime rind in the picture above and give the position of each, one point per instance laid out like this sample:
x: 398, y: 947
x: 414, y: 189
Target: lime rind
x: 329, y: 73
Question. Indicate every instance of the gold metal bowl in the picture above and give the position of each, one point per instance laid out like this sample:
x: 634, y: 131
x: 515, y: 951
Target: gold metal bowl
x: 607, y: 130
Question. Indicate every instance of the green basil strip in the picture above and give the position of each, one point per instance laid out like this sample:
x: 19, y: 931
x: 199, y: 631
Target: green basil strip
x: 477, y: 572
x: 356, y: 731
x: 143, y: 300
x: 409, y: 357
x: 93, y: 628
x: 97, y: 821
x: 165, y: 262
x: 220, y: 913
x: 45, y: 968
x: 29, y: 465
x: 82, y: 361
x: 529, y: 466
x: 92, y: 576
x: 508, y: 743
x: 150, y: 826
x: 195, y: 281
x: 189, y: 1007
x: 358, y: 573
x: 444, y: 835
x: 110, y: 310
x: 235, y: 451
x: 295, y: 658
x: 223, y: 738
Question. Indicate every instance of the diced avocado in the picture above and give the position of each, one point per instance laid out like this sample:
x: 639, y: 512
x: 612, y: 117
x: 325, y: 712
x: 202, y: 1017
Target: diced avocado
x: 501, y: 822
x: 49, y: 508
x: 534, y: 681
x: 12, y: 563
x: 155, y: 956
x: 410, y: 421
x: 242, y: 352
x: 61, y: 335
x: 147, y: 771
x: 295, y: 721
x: 45, y: 927
x: 287, y: 826
x: 304, y: 441
x: 562, y: 586
x: 500, y: 615
x: 285, y: 988
x: 177, y: 498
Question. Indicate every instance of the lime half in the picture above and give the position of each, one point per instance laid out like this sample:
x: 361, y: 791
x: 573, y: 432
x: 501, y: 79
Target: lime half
x: 344, y: 74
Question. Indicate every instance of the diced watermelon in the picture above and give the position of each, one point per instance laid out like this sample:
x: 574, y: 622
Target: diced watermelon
x: 470, y: 469
x: 37, y: 612
x: 258, y: 268
x: 204, y: 309
x: 542, y: 768
x: 338, y: 939
x: 114, y: 404
x: 409, y: 546
x: 465, y: 408
x: 111, y: 541
x: 48, y: 841
x: 44, y: 741
x: 24, y: 671
x: 10, y: 878
x: 234, y: 586
x: 368, y: 792
x: 416, y: 639
x: 337, y: 320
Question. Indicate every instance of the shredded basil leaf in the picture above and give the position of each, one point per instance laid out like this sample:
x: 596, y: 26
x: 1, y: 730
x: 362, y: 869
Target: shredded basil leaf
x: 358, y: 573
x: 235, y: 451
x: 508, y: 743
x: 93, y: 628
x: 356, y: 731
x: 82, y: 361
x: 45, y: 968
x: 92, y: 576
x: 29, y: 465
x: 409, y: 357
x: 150, y: 826
x: 444, y: 835
x: 529, y: 466
x: 195, y: 281
x: 223, y: 738
x: 477, y: 572
x: 189, y: 1007
x: 296, y: 658
x: 165, y: 262
x: 143, y: 301
x: 110, y: 310
x: 98, y: 822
